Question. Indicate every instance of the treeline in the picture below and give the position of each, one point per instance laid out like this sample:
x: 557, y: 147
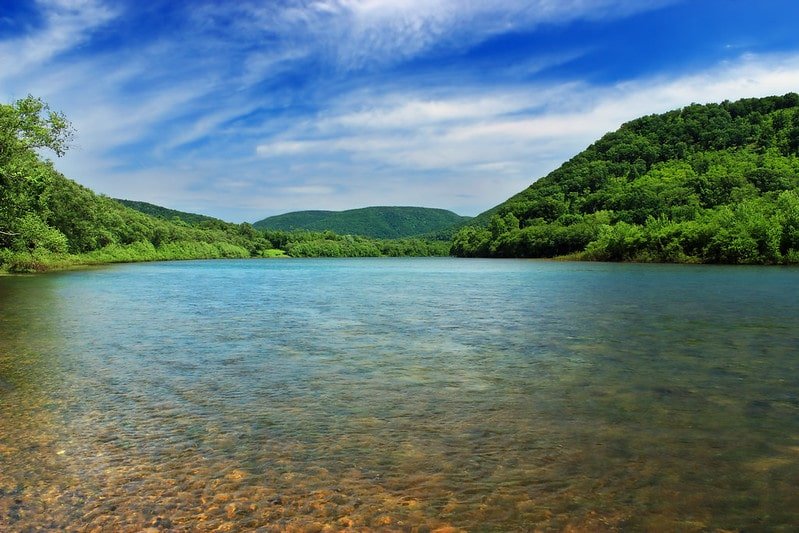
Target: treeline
x: 165, y: 213
x: 375, y: 222
x: 330, y: 244
x: 48, y: 221
x: 714, y: 183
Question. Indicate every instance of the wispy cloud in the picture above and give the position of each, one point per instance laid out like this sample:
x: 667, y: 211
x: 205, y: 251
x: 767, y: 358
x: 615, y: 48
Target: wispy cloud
x: 355, y: 34
x: 473, y: 123
x: 516, y: 135
x: 246, y: 109
x: 66, y: 24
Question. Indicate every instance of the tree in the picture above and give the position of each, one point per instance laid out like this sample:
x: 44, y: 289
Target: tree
x: 26, y: 126
x: 706, y: 183
x: 29, y: 124
x: 34, y: 234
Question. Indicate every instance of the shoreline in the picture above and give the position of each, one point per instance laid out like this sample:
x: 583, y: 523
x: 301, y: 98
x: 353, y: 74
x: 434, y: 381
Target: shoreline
x: 66, y: 265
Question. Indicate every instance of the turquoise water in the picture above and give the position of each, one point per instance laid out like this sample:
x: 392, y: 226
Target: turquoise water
x: 400, y: 394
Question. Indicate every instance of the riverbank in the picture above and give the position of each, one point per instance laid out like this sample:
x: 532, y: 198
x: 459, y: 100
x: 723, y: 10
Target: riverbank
x: 306, y: 245
x: 44, y: 261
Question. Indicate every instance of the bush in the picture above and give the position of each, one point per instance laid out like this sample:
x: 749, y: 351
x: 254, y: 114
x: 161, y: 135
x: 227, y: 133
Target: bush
x: 34, y: 234
x: 620, y: 242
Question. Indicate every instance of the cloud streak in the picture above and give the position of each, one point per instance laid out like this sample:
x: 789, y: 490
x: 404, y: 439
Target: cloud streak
x: 248, y: 109
x: 66, y: 25
x: 358, y: 34
x: 518, y: 135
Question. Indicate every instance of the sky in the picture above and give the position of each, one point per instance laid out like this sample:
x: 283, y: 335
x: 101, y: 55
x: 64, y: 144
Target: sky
x: 247, y: 109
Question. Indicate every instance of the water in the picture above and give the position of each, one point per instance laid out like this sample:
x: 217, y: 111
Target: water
x: 400, y: 394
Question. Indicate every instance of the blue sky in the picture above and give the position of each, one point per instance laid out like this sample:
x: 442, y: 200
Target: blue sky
x: 247, y: 109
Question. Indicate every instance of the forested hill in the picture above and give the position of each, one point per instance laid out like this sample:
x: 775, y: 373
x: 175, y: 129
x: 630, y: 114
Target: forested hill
x: 705, y: 183
x: 164, y: 212
x: 377, y: 222
x: 48, y: 221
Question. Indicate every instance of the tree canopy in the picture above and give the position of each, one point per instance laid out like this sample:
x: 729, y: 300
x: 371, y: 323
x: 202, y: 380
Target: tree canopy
x: 705, y: 183
x: 49, y: 221
x: 376, y: 222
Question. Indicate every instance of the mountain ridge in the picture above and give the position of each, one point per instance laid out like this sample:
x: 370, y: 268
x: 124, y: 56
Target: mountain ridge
x: 165, y: 213
x: 381, y: 222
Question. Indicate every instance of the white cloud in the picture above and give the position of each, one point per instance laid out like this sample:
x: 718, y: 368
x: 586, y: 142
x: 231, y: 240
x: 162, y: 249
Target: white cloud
x: 67, y: 24
x: 265, y: 64
x: 505, y: 137
x: 288, y: 148
x: 357, y: 34
x: 457, y: 142
x: 312, y: 190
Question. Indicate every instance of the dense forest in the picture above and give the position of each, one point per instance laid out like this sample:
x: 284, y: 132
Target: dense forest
x: 715, y: 183
x: 376, y: 222
x: 48, y: 221
x: 164, y: 212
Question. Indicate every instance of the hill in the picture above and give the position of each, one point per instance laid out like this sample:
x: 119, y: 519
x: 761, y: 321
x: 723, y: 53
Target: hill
x: 164, y: 212
x: 715, y: 183
x: 376, y: 222
x: 49, y: 221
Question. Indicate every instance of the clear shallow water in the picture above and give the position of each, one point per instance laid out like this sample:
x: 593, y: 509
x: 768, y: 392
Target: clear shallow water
x: 400, y: 394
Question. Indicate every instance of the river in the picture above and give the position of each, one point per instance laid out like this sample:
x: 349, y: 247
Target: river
x: 400, y: 394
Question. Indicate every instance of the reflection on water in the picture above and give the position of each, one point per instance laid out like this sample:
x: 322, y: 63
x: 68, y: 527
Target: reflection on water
x: 406, y: 395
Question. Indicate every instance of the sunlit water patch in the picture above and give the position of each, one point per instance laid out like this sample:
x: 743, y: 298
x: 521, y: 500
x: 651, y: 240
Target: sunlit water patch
x: 406, y: 395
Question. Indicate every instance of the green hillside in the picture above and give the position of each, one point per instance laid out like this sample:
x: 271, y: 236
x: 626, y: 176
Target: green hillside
x: 48, y: 221
x: 715, y: 183
x: 377, y: 222
x: 164, y: 212
x: 707, y: 183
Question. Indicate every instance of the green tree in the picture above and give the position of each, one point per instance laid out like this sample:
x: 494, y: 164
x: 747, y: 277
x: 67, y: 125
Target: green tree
x: 33, y: 234
x: 702, y: 183
x: 26, y: 125
x: 30, y: 124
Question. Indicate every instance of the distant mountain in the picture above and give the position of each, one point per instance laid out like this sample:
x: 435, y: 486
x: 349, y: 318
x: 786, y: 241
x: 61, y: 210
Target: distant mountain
x: 377, y: 222
x: 164, y: 212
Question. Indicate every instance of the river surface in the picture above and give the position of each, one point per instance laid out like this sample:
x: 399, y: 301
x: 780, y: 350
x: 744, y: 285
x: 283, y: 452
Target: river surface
x: 400, y: 394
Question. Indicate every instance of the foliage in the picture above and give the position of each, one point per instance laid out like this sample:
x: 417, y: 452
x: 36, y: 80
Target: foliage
x: 165, y: 213
x: 29, y: 124
x: 706, y: 183
x: 375, y: 222
x: 330, y: 244
x: 48, y: 221
x: 26, y: 125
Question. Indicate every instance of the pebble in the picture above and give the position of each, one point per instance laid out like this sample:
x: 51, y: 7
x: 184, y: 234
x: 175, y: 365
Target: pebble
x: 384, y: 520
x: 346, y: 521
x: 160, y: 521
x: 237, y: 475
